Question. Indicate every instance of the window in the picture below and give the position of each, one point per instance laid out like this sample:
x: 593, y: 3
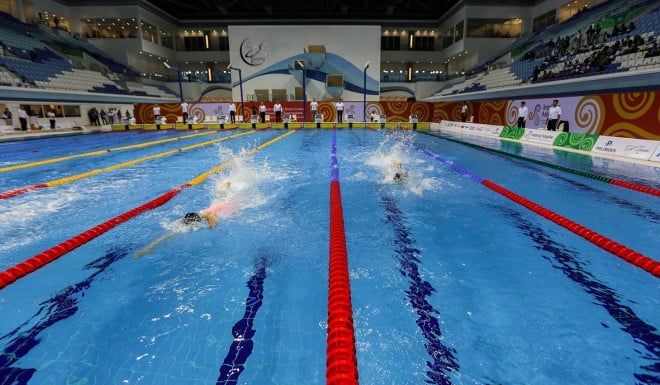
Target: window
x: 109, y: 28
x: 166, y: 39
x: 71, y: 111
x: 458, y: 31
x: 424, y: 43
x: 194, y: 43
x: 498, y: 28
x: 547, y: 19
x: 390, y: 43
x: 223, y: 43
x: 448, y: 38
x: 149, y: 32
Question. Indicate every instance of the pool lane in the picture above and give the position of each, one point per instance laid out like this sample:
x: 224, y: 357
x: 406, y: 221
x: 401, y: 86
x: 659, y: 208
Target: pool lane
x: 73, y: 178
x: 626, y: 253
x: 34, y: 263
x: 100, y: 152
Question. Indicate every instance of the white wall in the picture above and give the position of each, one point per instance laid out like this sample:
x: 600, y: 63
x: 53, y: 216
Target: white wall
x: 355, y: 44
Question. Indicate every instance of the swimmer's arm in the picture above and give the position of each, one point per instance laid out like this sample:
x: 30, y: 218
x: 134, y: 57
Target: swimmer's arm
x: 210, y: 217
x: 147, y: 249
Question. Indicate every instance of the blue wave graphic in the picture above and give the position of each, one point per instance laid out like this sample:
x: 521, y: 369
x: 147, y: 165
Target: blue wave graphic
x: 397, y: 88
x: 334, y: 64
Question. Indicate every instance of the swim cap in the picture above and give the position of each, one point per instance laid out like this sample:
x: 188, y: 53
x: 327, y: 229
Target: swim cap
x: 191, y: 217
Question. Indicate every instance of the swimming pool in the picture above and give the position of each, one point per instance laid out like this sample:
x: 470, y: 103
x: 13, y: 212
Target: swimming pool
x: 451, y: 282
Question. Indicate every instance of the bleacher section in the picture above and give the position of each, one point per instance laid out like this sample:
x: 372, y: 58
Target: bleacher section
x: 152, y: 90
x: 583, y: 59
x: 35, y: 57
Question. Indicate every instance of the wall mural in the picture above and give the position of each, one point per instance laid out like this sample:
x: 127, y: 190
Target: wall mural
x: 630, y: 115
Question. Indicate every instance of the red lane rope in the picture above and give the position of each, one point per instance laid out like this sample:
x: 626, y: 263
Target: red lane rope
x: 45, y: 257
x: 635, y: 186
x: 621, y: 251
x: 22, y: 190
x: 341, y: 361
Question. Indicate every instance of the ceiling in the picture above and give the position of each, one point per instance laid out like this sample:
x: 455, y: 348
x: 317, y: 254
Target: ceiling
x: 417, y: 12
x: 260, y: 10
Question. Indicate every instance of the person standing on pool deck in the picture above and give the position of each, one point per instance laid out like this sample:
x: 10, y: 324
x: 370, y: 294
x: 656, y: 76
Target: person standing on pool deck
x: 464, y: 111
x: 554, y: 114
x: 51, y: 119
x: 232, y: 112
x: 184, y: 111
x: 262, y: 112
x: 278, y: 111
x: 340, y: 111
x: 22, y: 118
x: 314, y: 106
x: 523, y: 111
x: 156, y: 113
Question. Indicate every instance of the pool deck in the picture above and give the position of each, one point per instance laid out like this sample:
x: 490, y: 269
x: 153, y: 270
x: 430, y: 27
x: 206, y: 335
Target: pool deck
x: 37, y: 134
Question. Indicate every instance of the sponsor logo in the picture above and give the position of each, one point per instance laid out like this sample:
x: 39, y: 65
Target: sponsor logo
x: 253, y: 53
x: 639, y: 149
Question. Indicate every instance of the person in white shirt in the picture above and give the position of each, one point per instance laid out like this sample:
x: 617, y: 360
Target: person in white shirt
x: 232, y: 112
x: 314, y: 106
x: 554, y: 114
x: 523, y: 111
x: 262, y: 112
x: 340, y: 111
x: 184, y: 111
x: 51, y: 118
x: 278, y: 111
x: 111, y: 115
x: 23, y: 118
x: 156, y: 113
x: 464, y: 110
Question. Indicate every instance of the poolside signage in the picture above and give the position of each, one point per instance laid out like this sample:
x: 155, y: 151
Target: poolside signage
x: 630, y: 148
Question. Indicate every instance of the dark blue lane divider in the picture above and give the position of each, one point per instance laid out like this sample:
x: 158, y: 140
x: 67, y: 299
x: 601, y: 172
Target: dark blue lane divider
x: 443, y: 361
x: 243, y: 330
x: 59, y: 308
x: 565, y: 261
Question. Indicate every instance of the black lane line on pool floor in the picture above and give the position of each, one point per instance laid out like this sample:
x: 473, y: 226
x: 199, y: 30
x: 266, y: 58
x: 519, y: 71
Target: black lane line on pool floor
x: 567, y: 262
x: 443, y: 359
x: 58, y: 308
x: 243, y: 331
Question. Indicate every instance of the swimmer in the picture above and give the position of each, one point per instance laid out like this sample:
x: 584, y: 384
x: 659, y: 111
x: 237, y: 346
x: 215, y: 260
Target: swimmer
x: 188, y: 219
x: 401, y: 176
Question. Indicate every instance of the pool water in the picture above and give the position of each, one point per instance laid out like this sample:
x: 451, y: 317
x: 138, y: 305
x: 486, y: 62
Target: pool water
x: 451, y: 283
